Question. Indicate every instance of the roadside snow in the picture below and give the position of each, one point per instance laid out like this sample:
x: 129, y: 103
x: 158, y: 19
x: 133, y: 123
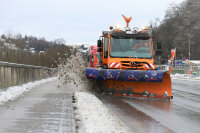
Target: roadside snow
x: 96, y: 117
x: 14, y: 92
x: 185, y: 77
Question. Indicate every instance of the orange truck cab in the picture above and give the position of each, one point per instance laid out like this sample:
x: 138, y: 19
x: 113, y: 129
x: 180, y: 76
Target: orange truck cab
x: 126, y: 50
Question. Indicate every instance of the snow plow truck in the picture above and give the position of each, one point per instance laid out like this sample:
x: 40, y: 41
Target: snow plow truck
x: 127, y: 65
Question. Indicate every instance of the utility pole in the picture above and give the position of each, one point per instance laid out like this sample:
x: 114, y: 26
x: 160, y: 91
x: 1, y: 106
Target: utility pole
x: 189, y: 49
x: 189, y: 58
x: 159, y: 60
x: 175, y: 57
x: 181, y: 56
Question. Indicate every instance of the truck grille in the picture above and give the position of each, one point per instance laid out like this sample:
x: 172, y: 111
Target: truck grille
x: 127, y: 65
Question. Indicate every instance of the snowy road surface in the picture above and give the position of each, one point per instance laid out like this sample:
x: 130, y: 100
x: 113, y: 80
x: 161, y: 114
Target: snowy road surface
x: 45, y: 108
x: 182, y: 115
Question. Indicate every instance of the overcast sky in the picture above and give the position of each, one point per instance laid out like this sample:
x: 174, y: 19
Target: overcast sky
x: 76, y: 20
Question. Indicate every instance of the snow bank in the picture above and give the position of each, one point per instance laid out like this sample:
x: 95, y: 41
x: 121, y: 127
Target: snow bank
x: 177, y: 75
x: 14, y: 92
x: 185, y: 77
x: 95, y: 117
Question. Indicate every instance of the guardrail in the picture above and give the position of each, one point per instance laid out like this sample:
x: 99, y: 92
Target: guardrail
x: 12, y: 74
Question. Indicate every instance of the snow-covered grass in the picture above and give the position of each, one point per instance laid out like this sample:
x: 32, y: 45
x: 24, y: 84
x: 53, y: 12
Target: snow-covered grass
x: 95, y: 116
x: 14, y: 92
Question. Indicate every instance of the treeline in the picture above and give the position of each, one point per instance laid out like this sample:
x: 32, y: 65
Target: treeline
x: 33, y: 51
x: 179, y: 29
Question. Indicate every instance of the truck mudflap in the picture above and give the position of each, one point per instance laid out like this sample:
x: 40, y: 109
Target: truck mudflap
x: 151, y: 84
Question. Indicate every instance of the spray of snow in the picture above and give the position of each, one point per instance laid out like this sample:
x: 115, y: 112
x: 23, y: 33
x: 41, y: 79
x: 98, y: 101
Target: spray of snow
x: 14, y: 92
x: 95, y: 117
x: 73, y: 71
x: 90, y: 113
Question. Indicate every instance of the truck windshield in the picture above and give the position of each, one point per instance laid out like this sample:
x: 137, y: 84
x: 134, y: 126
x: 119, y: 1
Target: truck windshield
x: 130, y: 48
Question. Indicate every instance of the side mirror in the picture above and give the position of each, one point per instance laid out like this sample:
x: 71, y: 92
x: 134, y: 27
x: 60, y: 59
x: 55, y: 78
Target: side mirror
x: 99, y: 43
x: 99, y: 50
x: 159, y: 45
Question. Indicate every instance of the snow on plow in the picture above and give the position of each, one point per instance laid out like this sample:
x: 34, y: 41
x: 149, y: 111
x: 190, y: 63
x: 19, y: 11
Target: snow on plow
x: 153, y: 84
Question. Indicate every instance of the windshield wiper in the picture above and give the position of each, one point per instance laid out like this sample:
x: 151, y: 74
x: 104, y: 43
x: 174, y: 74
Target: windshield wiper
x: 144, y: 57
x: 123, y: 57
x: 130, y: 57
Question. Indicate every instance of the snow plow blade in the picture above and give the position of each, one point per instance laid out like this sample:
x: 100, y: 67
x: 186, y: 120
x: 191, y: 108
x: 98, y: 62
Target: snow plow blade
x: 140, y: 84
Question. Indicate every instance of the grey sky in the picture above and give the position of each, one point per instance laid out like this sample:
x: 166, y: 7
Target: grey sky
x: 76, y: 20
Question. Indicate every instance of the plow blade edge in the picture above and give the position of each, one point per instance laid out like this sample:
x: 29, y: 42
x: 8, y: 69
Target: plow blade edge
x: 153, y: 84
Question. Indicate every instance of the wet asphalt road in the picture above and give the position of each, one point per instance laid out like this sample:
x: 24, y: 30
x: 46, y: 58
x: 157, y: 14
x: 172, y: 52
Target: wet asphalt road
x: 181, y: 115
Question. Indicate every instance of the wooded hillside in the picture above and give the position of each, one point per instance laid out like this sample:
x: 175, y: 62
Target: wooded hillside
x: 180, y: 27
x: 33, y: 51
